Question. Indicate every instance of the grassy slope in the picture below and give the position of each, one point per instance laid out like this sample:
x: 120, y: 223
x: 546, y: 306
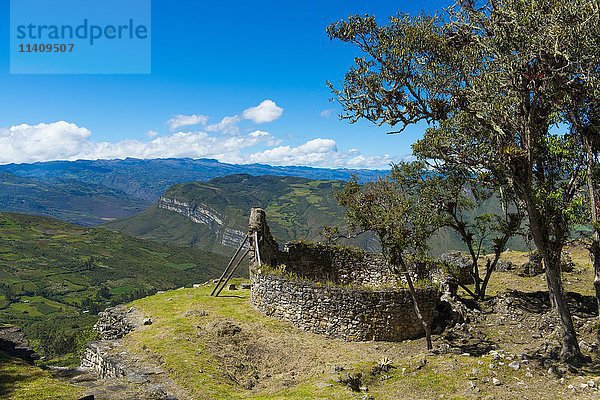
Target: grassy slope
x: 291, y: 364
x: 296, y: 208
x: 52, y: 266
x: 21, y: 381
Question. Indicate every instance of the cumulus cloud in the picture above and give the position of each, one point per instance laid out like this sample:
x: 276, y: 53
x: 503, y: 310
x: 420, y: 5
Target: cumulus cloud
x: 321, y: 153
x: 27, y: 143
x: 152, y: 134
x: 267, y: 111
x: 181, y: 120
x: 66, y: 141
x: 228, y: 125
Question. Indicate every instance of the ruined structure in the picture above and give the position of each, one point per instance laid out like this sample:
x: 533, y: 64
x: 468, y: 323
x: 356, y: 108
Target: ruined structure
x: 337, y: 291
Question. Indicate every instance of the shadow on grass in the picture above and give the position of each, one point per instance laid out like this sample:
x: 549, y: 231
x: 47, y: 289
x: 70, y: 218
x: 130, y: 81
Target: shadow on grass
x: 539, y: 303
x: 8, y: 380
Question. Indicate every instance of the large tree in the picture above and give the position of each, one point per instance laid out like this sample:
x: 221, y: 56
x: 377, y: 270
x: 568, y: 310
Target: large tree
x: 495, y: 81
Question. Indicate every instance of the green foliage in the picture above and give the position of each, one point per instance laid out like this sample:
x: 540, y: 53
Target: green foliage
x: 394, y: 209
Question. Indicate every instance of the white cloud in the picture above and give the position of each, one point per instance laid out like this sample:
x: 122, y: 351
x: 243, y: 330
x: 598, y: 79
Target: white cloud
x: 152, y: 134
x: 320, y: 153
x: 26, y: 143
x: 228, y: 125
x: 267, y: 111
x: 327, y: 113
x: 181, y: 120
x: 66, y: 141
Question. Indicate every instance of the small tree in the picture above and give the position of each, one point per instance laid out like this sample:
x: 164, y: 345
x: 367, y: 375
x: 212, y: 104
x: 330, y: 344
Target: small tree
x: 393, y: 209
x: 459, y: 197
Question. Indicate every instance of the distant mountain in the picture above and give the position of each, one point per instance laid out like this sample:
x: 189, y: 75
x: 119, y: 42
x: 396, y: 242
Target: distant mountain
x: 68, y: 199
x: 91, y: 192
x: 55, y: 275
x: 214, y: 215
x: 148, y: 179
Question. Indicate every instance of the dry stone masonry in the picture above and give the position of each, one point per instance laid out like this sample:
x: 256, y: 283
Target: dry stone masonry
x: 336, y: 291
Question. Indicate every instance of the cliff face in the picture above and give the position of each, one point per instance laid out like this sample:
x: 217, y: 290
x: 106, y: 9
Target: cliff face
x: 202, y: 214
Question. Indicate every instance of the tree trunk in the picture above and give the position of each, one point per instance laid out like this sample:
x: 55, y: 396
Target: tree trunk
x: 489, y: 268
x: 593, y: 204
x: 551, y: 255
x: 570, y: 347
x: 595, y: 252
x: 413, y: 294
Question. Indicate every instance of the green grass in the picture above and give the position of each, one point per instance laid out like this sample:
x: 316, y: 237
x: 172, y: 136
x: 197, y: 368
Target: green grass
x: 51, y: 268
x: 21, y: 381
x: 194, y: 357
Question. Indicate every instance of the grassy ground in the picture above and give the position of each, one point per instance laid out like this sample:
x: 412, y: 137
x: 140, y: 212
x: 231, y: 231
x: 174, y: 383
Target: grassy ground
x: 580, y: 280
x: 21, y: 381
x: 269, y: 359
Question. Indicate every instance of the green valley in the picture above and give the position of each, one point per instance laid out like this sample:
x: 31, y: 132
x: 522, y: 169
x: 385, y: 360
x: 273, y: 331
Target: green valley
x: 55, y: 276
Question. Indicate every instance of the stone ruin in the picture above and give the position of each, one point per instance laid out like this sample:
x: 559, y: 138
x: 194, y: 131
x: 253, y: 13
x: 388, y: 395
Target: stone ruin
x: 337, y: 291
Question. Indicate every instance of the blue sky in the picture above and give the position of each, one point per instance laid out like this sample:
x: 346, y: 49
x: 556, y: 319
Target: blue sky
x: 210, y: 60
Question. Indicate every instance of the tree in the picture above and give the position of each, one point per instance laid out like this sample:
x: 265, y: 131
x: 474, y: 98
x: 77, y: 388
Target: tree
x: 584, y: 116
x: 393, y: 209
x: 458, y: 195
x: 495, y: 81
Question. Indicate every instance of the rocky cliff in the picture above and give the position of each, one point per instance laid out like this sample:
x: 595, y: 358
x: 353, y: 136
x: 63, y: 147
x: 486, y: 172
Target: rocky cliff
x: 203, y: 214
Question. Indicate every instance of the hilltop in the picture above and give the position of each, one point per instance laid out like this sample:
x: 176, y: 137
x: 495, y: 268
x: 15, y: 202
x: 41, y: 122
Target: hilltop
x: 214, y: 210
x: 213, y: 215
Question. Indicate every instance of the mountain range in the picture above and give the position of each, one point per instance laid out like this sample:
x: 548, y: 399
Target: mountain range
x: 214, y: 215
x: 90, y: 192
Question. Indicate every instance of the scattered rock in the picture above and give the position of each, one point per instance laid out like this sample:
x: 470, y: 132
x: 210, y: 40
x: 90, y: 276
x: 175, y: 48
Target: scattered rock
x: 246, y: 286
x: 496, y: 382
x: 337, y: 368
x: 147, y: 321
x: 515, y: 365
x: 232, y: 287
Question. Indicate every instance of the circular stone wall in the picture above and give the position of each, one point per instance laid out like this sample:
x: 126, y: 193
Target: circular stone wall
x: 341, y: 312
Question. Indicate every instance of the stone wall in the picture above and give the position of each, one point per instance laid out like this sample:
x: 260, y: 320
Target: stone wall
x: 337, y: 264
x: 343, y: 313
x: 99, y: 359
x: 332, y: 290
x: 101, y: 356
